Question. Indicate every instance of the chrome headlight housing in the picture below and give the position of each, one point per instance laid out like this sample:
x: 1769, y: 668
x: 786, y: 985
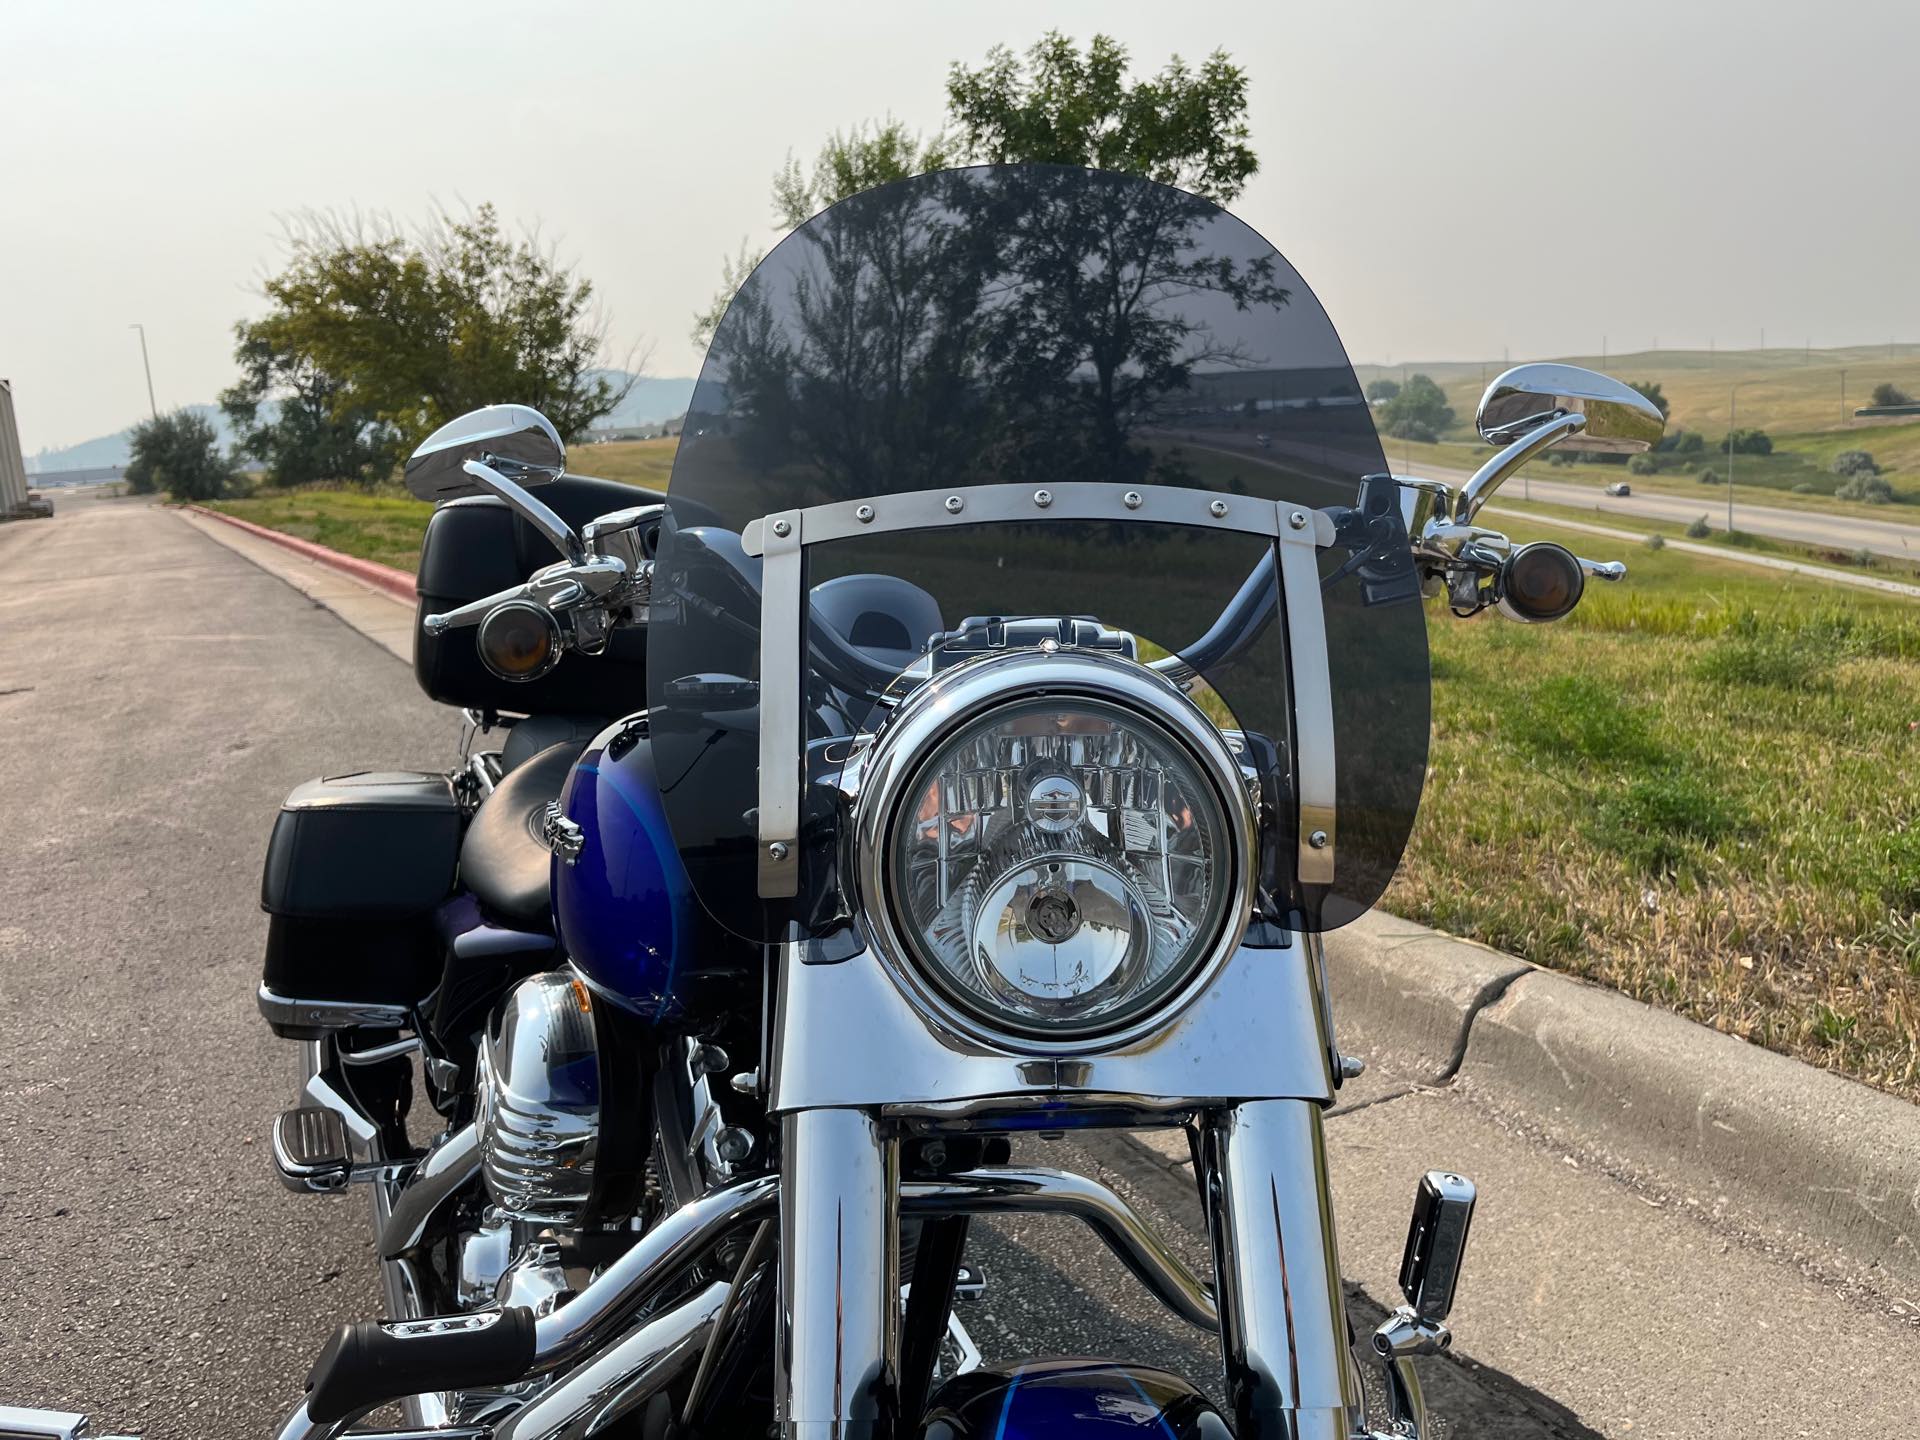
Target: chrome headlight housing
x: 1057, y: 846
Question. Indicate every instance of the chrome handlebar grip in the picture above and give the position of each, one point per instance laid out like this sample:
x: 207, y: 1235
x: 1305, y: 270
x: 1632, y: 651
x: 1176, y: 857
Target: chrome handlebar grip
x: 1608, y: 570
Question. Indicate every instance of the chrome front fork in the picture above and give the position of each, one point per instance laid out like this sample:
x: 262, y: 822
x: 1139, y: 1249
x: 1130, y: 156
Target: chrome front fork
x: 1283, y: 1322
x: 838, y: 1346
x: 1283, y: 1315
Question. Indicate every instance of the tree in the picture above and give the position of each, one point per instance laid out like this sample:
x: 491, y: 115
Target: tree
x: 180, y: 454
x: 1184, y: 127
x: 300, y: 422
x: 1419, y: 412
x: 1849, y: 463
x: 859, y: 159
x: 1887, y: 393
x: 396, y: 332
x: 1382, y: 390
x: 1651, y: 389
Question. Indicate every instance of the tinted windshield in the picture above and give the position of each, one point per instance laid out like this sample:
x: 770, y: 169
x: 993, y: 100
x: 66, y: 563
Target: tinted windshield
x: 1036, y: 325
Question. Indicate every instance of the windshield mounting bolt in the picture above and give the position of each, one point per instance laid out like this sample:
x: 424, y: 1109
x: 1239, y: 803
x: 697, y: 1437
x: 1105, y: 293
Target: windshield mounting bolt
x: 1298, y: 519
x: 1043, y: 498
x: 955, y: 504
x: 1217, y: 509
x: 1318, y: 839
x: 747, y: 1082
x: 777, y: 850
x: 1133, y: 500
x: 783, y: 528
x: 864, y: 514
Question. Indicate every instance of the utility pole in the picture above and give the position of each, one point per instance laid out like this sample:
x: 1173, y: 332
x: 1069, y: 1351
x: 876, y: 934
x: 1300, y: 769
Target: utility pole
x: 148, y: 366
x: 1843, y: 397
x: 1731, y: 389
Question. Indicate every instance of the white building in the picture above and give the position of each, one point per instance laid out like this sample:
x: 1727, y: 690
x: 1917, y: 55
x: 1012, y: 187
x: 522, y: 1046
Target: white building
x: 13, y: 469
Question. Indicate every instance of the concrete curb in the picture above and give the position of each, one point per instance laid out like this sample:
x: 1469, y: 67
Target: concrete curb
x: 1795, y: 1153
x: 384, y: 578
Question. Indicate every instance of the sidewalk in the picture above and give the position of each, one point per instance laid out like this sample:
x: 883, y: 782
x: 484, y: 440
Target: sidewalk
x: 1646, y: 1315
x: 376, y: 614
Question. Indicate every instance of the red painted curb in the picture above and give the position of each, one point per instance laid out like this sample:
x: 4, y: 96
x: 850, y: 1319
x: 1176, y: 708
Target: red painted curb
x: 396, y: 583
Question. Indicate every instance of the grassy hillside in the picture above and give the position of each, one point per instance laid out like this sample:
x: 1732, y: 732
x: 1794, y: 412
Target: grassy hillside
x: 1794, y: 395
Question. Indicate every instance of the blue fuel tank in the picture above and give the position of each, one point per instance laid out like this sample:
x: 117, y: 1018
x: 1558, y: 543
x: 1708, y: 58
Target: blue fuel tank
x: 625, y: 908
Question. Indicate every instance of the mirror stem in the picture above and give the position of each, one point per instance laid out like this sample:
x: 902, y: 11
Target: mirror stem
x: 1490, y: 476
x: 543, y: 519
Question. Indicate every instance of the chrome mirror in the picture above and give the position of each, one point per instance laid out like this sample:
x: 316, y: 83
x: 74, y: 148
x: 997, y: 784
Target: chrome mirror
x: 516, y: 441
x: 1618, y: 418
x: 1531, y: 407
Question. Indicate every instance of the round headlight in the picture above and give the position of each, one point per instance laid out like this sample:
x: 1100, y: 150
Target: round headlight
x: 1060, y: 866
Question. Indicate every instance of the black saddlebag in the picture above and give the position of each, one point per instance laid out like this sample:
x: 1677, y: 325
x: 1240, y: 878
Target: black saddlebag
x: 476, y: 546
x: 355, y: 870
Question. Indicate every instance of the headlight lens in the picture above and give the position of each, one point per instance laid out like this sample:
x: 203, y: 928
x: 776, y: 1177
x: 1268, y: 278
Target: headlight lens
x: 1060, y: 867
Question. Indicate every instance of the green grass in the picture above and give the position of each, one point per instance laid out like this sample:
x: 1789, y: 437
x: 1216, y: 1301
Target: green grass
x: 1698, y: 789
x: 380, y: 525
x: 638, y: 462
x: 1599, y: 547
x: 386, y: 524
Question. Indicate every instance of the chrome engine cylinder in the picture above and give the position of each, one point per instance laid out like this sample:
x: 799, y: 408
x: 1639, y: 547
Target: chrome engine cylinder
x: 539, y: 1094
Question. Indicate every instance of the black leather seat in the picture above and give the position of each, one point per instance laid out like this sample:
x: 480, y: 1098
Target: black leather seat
x: 504, y: 860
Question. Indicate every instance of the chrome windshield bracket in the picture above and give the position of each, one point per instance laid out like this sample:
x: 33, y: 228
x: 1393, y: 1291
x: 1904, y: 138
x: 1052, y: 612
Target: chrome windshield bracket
x: 1312, y: 694
x: 783, y: 603
x: 780, y: 540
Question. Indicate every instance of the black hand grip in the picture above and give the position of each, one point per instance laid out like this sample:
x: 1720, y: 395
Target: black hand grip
x: 374, y: 1361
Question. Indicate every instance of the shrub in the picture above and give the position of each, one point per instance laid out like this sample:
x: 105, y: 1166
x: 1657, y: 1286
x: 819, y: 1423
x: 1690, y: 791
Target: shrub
x: 1869, y: 489
x: 1747, y: 442
x: 1862, y: 557
x: 1709, y: 476
x: 1805, y: 487
x: 1853, y: 462
x: 180, y: 454
x: 1887, y: 393
x: 1381, y: 391
x: 1699, y: 529
x: 1642, y: 465
x: 1656, y: 542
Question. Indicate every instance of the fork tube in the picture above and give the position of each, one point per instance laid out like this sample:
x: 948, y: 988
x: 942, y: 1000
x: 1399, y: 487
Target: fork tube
x: 1283, y: 1322
x: 837, y: 1350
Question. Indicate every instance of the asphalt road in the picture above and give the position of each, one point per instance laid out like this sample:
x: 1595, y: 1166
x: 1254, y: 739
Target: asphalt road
x: 158, y: 696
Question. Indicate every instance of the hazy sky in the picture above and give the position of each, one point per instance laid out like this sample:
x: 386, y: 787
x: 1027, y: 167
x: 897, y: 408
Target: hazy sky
x: 1451, y: 177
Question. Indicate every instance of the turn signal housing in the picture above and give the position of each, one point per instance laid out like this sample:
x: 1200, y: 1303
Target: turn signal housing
x: 1540, y: 582
x: 519, y: 640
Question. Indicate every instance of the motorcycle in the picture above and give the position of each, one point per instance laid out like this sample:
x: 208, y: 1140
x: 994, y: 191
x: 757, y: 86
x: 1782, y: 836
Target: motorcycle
x: 1034, y: 670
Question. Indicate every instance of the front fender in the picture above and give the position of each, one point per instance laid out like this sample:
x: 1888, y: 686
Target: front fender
x: 1064, y: 1399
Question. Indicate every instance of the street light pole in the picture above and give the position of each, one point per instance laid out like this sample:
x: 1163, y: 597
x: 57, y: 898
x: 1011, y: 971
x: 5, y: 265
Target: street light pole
x: 148, y: 365
x: 1731, y: 425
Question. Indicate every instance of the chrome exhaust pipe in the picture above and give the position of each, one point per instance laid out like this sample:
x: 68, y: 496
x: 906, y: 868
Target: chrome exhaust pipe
x: 621, y: 1379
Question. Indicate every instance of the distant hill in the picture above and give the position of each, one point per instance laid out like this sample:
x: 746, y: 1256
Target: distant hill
x: 649, y: 402
x: 113, y: 449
